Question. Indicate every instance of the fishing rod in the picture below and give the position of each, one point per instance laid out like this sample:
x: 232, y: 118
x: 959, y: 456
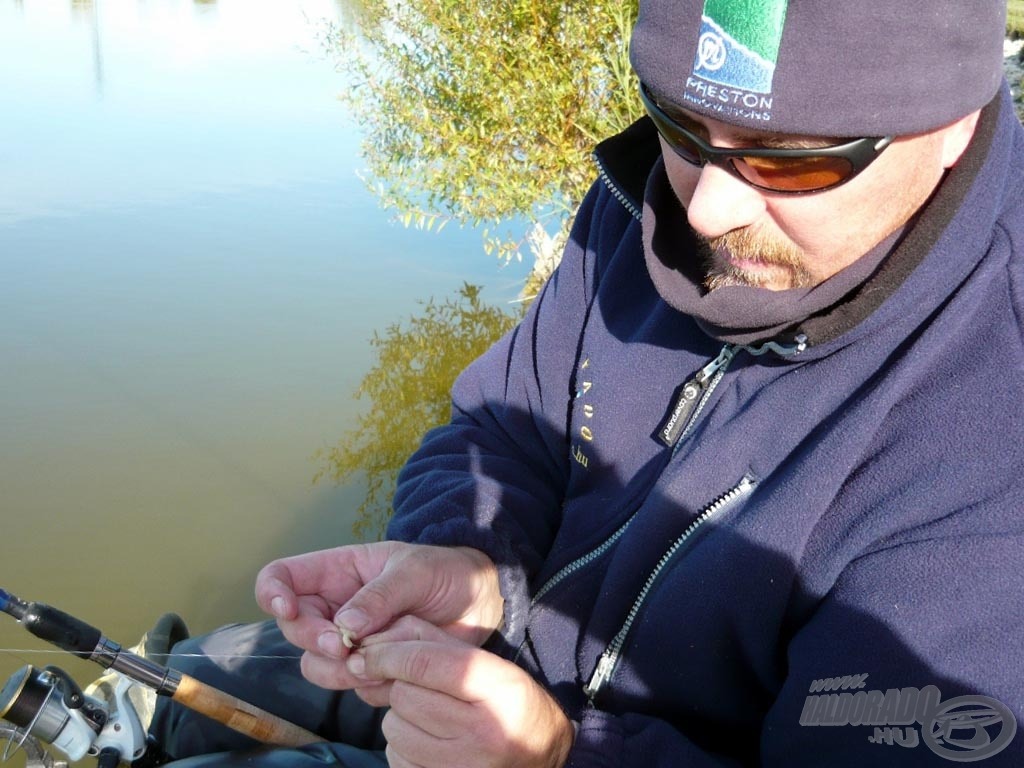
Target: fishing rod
x: 26, y: 697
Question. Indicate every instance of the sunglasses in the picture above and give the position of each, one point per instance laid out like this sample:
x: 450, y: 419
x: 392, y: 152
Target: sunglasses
x: 792, y: 171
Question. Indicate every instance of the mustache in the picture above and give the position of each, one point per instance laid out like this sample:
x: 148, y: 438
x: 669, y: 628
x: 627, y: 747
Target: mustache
x: 750, y: 245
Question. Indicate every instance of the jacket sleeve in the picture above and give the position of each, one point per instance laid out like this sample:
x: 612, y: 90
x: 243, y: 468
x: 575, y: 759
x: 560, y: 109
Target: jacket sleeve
x: 494, y: 478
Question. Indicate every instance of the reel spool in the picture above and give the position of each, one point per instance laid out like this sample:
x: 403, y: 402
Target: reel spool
x: 49, y: 706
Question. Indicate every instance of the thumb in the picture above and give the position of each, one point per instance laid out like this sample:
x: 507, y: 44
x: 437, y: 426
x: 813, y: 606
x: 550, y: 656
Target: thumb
x: 391, y: 594
x: 454, y: 588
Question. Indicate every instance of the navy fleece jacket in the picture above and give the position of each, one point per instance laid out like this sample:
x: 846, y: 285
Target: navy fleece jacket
x: 827, y: 556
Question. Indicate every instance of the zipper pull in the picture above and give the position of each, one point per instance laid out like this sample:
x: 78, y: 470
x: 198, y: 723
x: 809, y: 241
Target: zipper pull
x: 689, y: 395
x: 601, y: 675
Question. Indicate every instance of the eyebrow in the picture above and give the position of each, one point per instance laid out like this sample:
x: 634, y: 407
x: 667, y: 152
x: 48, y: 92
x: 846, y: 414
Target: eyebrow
x: 753, y: 139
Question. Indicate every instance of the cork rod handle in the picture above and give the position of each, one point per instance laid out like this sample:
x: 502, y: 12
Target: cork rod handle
x: 240, y: 716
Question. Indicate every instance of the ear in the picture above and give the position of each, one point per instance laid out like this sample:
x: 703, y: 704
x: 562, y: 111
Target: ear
x: 955, y: 138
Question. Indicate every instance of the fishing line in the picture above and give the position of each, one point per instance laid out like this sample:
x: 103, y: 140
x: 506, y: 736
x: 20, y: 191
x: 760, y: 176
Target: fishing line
x: 83, y: 655
x: 74, y: 636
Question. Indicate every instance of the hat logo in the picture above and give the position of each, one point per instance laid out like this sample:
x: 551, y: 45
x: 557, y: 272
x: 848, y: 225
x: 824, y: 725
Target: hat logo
x: 739, y: 41
x: 711, y: 52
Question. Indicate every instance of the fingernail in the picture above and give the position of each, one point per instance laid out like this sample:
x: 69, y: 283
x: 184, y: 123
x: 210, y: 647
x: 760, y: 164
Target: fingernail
x: 356, y: 664
x: 352, y: 620
x: 329, y: 643
x: 277, y: 606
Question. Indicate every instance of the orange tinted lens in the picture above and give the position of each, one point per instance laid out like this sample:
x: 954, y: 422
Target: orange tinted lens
x: 793, y: 174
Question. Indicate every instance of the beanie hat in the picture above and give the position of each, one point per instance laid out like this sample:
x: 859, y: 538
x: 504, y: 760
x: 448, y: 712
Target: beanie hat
x: 834, y: 68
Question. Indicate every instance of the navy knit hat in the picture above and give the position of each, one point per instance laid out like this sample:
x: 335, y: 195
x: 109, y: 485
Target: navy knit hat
x: 823, y: 67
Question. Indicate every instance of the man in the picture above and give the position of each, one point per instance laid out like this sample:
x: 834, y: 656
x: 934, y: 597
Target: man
x: 742, y: 489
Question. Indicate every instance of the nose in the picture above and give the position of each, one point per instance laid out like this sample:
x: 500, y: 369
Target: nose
x: 721, y: 203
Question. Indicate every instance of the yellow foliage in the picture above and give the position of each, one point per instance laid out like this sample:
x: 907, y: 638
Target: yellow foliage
x: 485, y: 112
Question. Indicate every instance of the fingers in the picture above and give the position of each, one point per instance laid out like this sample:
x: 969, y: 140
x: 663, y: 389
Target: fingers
x: 409, y: 628
x: 431, y: 729
x: 363, y: 588
x: 274, y: 592
x: 401, y: 584
x: 409, y: 738
x: 328, y: 670
x: 334, y: 574
x: 360, y: 588
x: 376, y: 695
x: 331, y: 673
x: 396, y: 760
x: 454, y: 588
x: 433, y: 714
x: 304, y: 592
x: 452, y: 704
x: 452, y: 667
x: 312, y: 629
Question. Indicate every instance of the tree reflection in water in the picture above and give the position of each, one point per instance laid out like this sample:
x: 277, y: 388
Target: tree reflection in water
x: 408, y: 391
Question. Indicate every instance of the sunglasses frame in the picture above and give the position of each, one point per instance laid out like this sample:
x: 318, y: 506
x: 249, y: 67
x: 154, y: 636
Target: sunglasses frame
x: 859, y: 153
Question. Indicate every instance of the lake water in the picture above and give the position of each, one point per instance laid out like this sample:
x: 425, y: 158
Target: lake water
x: 190, y: 271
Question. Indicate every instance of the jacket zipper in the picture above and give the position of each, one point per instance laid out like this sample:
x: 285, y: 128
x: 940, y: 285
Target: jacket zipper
x: 693, y: 396
x: 581, y: 562
x: 696, y: 392
x: 567, y: 570
x: 613, y: 653
x: 616, y: 192
x: 705, y: 380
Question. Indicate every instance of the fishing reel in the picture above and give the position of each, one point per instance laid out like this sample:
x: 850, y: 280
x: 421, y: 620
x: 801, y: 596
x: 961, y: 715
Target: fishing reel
x: 46, y: 705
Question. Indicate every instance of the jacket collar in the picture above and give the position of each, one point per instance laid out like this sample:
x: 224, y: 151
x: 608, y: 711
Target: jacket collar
x: 627, y: 158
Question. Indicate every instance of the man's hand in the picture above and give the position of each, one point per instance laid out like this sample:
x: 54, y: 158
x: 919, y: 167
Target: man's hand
x: 453, y: 704
x: 364, y: 588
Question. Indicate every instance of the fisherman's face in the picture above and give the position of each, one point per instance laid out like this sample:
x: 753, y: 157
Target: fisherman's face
x: 778, y: 241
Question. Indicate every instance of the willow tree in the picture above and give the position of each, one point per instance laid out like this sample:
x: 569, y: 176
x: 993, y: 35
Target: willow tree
x: 484, y: 112
x: 481, y: 112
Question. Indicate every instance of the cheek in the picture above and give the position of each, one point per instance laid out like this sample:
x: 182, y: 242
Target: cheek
x: 813, y: 226
x: 682, y: 176
x: 836, y: 228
